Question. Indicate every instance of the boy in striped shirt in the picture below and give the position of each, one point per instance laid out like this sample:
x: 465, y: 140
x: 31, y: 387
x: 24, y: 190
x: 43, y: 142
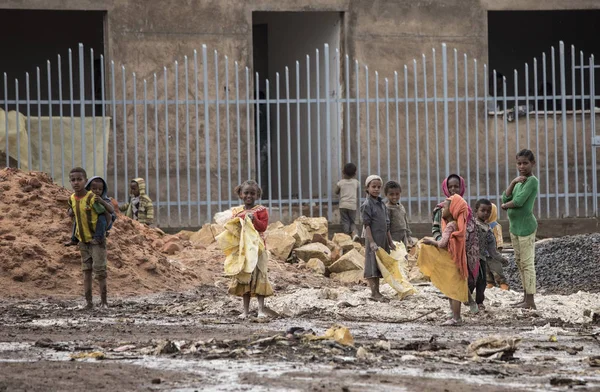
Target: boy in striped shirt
x: 86, y: 210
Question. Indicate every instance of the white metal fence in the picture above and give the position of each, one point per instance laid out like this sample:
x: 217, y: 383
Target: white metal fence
x: 200, y: 127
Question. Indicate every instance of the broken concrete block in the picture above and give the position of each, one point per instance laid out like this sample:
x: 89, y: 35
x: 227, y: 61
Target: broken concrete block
x: 185, y: 235
x: 355, y: 276
x: 316, y: 266
x: 314, y: 251
x: 315, y: 225
x: 349, y: 262
x: 275, y: 226
x: 206, y: 235
x: 299, y: 232
x: 344, y: 241
x: 171, y: 248
x: 280, y: 244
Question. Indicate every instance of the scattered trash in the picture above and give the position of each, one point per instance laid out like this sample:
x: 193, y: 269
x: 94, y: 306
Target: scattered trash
x: 363, y: 354
x: 594, y: 361
x: 338, y: 333
x: 494, y: 347
x: 124, y: 348
x: 553, y: 338
x: 98, y: 355
x: 166, y: 347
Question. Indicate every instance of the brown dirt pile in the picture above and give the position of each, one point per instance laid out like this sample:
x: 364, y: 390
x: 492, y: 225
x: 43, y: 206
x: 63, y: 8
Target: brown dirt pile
x: 33, y: 260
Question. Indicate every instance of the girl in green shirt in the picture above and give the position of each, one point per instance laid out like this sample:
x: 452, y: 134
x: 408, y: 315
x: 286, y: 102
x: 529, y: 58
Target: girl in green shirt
x: 518, y: 201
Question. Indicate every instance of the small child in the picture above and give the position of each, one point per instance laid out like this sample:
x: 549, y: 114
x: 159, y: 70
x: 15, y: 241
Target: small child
x: 93, y: 255
x: 347, y: 189
x: 487, y: 249
x: 495, y: 273
x: 105, y: 221
x: 377, y: 233
x: 140, y: 206
x: 259, y: 285
x: 397, y: 214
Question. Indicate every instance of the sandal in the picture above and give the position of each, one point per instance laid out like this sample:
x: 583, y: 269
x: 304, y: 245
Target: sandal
x: 473, y: 308
x: 452, y: 323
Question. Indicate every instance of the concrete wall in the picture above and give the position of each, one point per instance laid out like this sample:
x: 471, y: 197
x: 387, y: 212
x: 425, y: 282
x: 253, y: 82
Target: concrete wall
x: 146, y: 35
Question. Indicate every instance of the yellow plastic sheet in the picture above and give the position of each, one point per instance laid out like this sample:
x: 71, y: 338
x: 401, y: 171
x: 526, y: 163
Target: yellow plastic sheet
x: 241, y: 244
x: 391, y: 270
x: 437, y: 264
x: 339, y: 333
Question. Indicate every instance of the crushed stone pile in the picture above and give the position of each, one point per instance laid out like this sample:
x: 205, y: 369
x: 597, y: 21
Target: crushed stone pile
x: 34, y: 226
x: 564, y: 265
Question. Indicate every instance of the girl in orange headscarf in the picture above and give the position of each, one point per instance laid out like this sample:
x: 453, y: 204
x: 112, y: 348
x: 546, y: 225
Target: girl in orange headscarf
x: 445, y: 261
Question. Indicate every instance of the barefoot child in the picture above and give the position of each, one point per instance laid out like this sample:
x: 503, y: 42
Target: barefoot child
x: 397, y: 214
x: 487, y: 248
x: 445, y: 261
x: 105, y: 221
x: 518, y: 201
x: 259, y: 285
x: 495, y: 272
x: 377, y: 233
x: 347, y: 189
x: 93, y: 255
x: 140, y: 206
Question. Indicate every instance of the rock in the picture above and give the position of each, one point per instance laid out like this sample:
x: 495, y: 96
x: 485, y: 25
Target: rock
x: 156, y: 381
x: 204, y: 236
x: 328, y: 293
x: 158, y: 244
x: 10, y: 237
x: 166, y: 347
x: 315, y: 225
x: 299, y: 232
x: 275, y: 226
x: 35, y: 183
x: 357, y: 246
x: 185, y: 235
x: 311, y: 251
x: 280, y: 243
x: 349, y: 262
x: 170, y: 238
x: 19, y: 275
x: 354, y: 276
x: 343, y: 241
x: 336, y: 253
x: 384, y: 345
x: 363, y: 354
x: 171, y: 248
x: 322, y: 240
x: 316, y: 266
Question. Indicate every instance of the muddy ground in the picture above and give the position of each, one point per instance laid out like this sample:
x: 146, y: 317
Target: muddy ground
x: 195, y: 341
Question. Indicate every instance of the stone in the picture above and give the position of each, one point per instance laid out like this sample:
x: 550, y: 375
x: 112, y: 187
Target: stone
x: 275, y: 226
x: 336, y: 253
x: 206, y: 235
x: 299, y: 232
x: 280, y: 243
x: 158, y: 244
x: 166, y: 347
x: 315, y: 225
x: 355, y: 276
x: 349, y: 262
x: 170, y: 238
x: 311, y: 251
x: 320, y: 239
x: 344, y: 241
x: 316, y: 266
x: 10, y: 237
x: 171, y: 248
x: 185, y: 235
x: 357, y: 246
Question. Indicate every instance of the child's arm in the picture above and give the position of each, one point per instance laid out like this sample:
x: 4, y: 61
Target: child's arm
x: 408, y: 232
x: 389, y: 233
x: 492, y: 249
x: 518, y: 199
x: 445, y: 238
x: 107, y: 206
x: 369, y: 236
x: 391, y: 241
x: 436, y: 230
x: 123, y: 207
x: 260, y: 220
x: 337, y: 189
x: 365, y: 214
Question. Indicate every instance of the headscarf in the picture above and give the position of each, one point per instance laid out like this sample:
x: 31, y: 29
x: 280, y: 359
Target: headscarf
x: 493, y: 217
x: 461, y: 192
x: 459, y: 209
x: 372, y: 177
x: 462, y: 189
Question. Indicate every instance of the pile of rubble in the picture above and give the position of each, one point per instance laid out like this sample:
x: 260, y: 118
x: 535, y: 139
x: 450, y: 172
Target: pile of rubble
x: 564, y: 265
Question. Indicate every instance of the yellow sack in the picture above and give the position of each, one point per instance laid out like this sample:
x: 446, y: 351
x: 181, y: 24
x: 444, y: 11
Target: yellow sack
x: 438, y: 265
x: 392, y: 275
x: 400, y: 255
x: 339, y: 333
x: 241, y: 244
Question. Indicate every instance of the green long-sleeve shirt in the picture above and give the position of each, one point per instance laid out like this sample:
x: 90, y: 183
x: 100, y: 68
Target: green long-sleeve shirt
x: 522, y: 221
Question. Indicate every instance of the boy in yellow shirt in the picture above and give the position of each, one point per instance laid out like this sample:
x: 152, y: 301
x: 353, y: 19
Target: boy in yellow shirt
x: 86, y: 210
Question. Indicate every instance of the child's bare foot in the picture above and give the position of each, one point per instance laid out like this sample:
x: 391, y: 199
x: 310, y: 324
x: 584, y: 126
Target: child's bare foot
x: 87, y: 306
x: 481, y: 307
x: 262, y: 314
x: 243, y: 316
x: 379, y: 298
x: 104, y: 305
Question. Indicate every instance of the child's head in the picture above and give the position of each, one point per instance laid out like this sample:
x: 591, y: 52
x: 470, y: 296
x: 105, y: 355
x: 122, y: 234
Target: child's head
x: 525, y: 162
x: 453, y: 183
x: 392, y: 191
x: 78, y: 178
x: 134, y: 188
x: 349, y: 170
x: 446, y: 214
x: 373, y: 183
x: 249, y: 191
x: 97, y: 186
x: 483, y: 209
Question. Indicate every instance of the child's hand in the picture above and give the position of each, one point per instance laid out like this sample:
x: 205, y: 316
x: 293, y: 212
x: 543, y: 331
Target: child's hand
x: 504, y: 207
x: 373, y: 246
x: 251, y: 216
x: 70, y: 212
x: 429, y: 241
x: 520, y: 179
x: 392, y: 246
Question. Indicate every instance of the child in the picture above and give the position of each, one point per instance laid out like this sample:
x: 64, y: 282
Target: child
x: 487, y: 249
x: 93, y: 255
x: 105, y: 221
x: 377, y: 233
x: 495, y: 273
x: 259, y: 285
x: 447, y: 264
x: 347, y: 188
x: 397, y: 214
x: 518, y: 201
x: 140, y: 206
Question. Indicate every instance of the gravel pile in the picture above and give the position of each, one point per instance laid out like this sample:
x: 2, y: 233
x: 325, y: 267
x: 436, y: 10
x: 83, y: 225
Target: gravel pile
x: 564, y: 265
